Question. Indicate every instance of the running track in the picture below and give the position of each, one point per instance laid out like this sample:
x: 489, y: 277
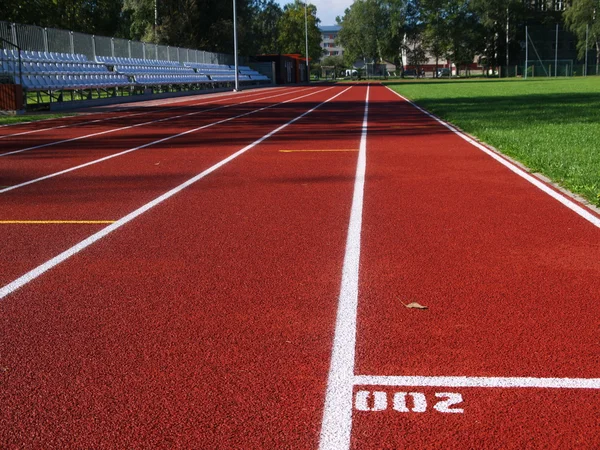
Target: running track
x: 232, y: 272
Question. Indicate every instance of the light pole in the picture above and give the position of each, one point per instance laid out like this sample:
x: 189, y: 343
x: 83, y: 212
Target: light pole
x: 306, y: 39
x: 155, y: 20
x: 235, y: 50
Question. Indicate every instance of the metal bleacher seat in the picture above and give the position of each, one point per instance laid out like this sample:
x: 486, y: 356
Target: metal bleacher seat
x: 171, y: 79
x: 141, y: 69
x: 228, y: 78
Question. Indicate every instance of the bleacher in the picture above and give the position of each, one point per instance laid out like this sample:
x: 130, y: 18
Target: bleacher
x: 253, y: 74
x: 116, y: 60
x: 55, y: 82
x: 54, y: 74
x: 143, y: 69
x: 222, y: 72
x: 61, y: 65
x: 43, y: 56
x: 172, y: 79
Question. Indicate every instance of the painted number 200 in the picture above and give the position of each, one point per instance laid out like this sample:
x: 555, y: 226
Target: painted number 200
x: 407, y: 402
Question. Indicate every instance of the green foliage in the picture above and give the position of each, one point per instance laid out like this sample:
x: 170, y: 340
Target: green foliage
x: 337, y: 62
x: 291, y: 30
x: 494, y: 17
x: 202, y: 24
x: 366, y: 30
x: 581, y: 16
x: 265, y: 25
x: 139, y: 14
x: 549, y: 125
x: 88, y: 16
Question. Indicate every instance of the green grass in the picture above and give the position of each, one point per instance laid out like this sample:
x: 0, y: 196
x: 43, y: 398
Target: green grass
x: 550, y: 125
x: 9, y: 119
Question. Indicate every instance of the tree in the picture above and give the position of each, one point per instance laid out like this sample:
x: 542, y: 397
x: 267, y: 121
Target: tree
x: 581, y: 16
x: 292, y: 31
x: 499, y: 22
x: 436, y: 36
x: 86, y: 16
x: 139, y: 17
x: 335, y: 62
x: 403, y: 25
x: 264, y: 27
x: 380, y: 30
x: 416, y: 55
x: 453, y: 29
x: 365, y: 27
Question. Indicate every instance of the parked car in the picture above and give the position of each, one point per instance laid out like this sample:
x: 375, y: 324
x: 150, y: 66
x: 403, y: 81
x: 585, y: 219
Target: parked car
x: 442, y: 72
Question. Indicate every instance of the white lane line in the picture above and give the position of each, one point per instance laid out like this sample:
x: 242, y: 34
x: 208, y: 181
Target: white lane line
x: 33, y: 274
x: 336, y: 427
x: 587, y: 215
x: 114, y: 130
x: 479, y: 382
x: 168, y: 138
x: 106, y: 119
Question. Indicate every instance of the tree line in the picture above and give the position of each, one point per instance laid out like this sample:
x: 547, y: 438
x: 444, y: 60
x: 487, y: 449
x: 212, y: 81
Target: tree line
x: 377, y: 30
x: 456, y: 30
x: 263, y: 26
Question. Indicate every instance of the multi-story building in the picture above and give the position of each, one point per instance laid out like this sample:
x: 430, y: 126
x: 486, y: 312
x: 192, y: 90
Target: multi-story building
x: 328, y: 35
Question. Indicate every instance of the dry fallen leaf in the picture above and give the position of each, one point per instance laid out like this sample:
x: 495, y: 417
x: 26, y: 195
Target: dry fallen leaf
x: 415, y: 305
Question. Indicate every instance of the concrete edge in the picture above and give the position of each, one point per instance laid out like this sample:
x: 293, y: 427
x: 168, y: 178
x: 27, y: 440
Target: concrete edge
x: 79, y: 105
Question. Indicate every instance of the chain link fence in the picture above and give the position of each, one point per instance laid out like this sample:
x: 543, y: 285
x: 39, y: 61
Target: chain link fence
x: 59, y: 41
x: 33, y: 38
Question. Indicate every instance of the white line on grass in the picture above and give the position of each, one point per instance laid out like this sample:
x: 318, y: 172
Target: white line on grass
x: 113, y: 130
x: 336, y: 427
x: 96, y: 161
x: 479, y: 382
x: 33, y: 274
x: 106, y: 119
x: 517, y: 170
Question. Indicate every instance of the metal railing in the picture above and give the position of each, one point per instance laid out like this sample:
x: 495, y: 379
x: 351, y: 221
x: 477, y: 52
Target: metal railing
x: 34, y: 38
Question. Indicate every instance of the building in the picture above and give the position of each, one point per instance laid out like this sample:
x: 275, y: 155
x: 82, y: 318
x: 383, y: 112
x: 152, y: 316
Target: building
x: 329, y: 34
x: 288, y: 69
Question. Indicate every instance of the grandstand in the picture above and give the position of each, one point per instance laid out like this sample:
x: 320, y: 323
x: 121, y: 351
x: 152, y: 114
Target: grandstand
x: 48, y: 77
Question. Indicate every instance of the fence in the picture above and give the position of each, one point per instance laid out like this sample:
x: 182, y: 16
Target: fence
x: 29, y: 37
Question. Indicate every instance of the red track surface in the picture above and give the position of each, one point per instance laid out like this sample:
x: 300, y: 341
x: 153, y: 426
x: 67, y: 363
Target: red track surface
x: 208, y: 321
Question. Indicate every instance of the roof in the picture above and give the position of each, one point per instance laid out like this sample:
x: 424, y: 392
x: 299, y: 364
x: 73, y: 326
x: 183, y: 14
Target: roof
x: 329, y: 28
x: 296, y: 56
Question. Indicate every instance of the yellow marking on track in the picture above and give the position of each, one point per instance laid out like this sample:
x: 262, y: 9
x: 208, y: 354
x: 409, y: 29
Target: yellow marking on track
x: 56, y: 222
x: 324, y: 151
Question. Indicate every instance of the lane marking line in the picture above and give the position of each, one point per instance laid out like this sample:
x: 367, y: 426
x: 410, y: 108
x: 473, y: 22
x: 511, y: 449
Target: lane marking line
x: 336, y: 427
x: 168, y: 138
x: 39, y: 270
x: 55, y: 222
x: 114, y: 130
x: 479, y: 382
x: 105, y: 119
x: 320, y: 151
x: 133, y: 105
x: 580, y: 210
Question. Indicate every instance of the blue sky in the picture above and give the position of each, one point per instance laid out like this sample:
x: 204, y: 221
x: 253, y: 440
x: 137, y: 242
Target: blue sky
x: 327, y: 10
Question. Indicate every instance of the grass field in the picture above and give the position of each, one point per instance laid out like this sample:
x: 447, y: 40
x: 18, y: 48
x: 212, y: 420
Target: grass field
x: 552, y: 126
x: 8, y: 119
